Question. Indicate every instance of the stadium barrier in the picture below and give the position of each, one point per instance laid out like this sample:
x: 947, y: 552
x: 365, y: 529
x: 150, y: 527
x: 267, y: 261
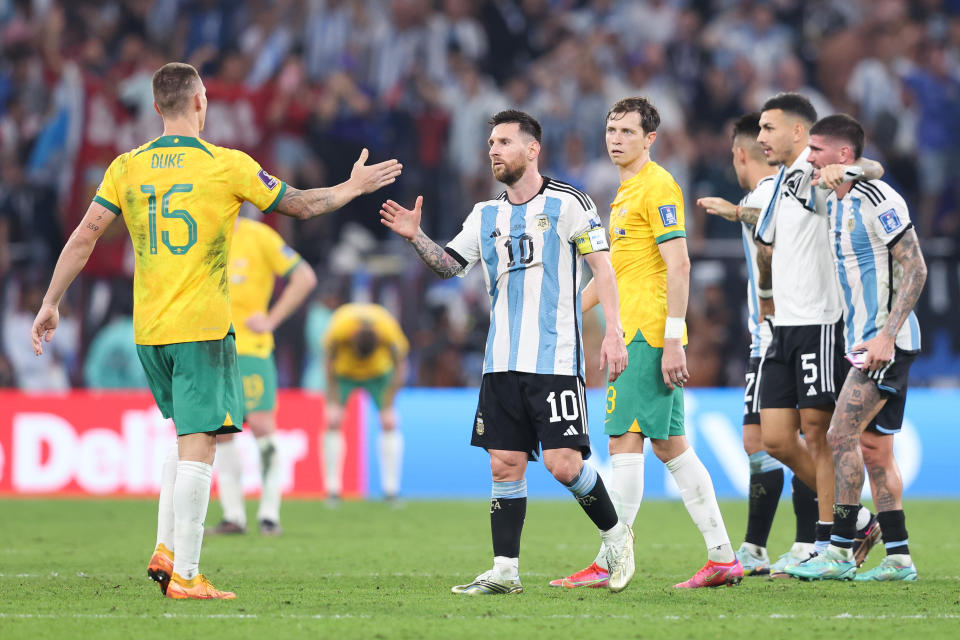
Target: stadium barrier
x: 90, y: 443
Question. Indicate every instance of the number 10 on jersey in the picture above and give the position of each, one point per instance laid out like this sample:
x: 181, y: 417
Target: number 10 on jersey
x: 181, y: 214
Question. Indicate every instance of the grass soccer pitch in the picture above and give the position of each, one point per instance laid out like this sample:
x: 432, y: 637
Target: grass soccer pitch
x: 77, y: 568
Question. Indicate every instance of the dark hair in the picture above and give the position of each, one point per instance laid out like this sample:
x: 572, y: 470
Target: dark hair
x: 528, y: 124
x: 843, y: 127
x: 793, y: 103
x: 747, y: 125
x: 649, y: 116
x: 365, y: 341
x: 173, y: 85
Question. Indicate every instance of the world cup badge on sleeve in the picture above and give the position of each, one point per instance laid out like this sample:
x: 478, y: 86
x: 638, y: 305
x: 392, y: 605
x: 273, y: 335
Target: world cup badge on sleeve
x: 268, y: 180
x: 668, y: 214
x: 890, y: 221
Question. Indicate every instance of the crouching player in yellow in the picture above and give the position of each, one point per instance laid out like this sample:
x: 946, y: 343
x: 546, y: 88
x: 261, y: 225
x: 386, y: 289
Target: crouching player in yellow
x: 365, y: 349
x: 258, y: 256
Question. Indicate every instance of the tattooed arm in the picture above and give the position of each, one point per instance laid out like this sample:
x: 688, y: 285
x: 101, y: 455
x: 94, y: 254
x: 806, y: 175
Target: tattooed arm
x: 872, y: 170
x: 729, y: 211
x: 363, y: 179
x: 880, y: 348
x: 406, y: 224
x: 71, y: 261
x: 833, y: 175
x: 765, y: 305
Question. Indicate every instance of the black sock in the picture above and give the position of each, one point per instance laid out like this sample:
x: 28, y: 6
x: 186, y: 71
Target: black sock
x: 590, y: 492
x: 506, y: 524
x: 823, y: 531
x: 805, y: 508
x: 893, y: 529
x: 844, y: 525
x: 765, y: 491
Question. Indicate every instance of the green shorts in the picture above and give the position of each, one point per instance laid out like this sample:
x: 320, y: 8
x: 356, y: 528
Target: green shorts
x: 379, y: 388
x: 196, y: 383
x: 639, y: 401
x: 259, y: 376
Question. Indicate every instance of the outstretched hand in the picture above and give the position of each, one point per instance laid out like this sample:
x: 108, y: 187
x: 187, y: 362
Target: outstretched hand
x: 404, y: 222
x: 44, y: 326
x: 370, y: 178
x: 719, y: 207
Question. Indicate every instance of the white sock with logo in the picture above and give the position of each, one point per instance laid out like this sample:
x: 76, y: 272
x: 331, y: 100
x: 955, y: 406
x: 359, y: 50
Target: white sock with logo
x: 190, y: 499
x: 230, y: 482
x: 270, y: 493
x: 168, y: 480
x: 333, y: 452
x: 696, y: 489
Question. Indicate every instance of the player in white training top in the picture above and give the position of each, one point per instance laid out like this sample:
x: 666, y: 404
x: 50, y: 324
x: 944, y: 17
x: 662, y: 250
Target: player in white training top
x: 766, y: 472
x: 799, y: 375
x: 881, y: 272
x: 531, y: 242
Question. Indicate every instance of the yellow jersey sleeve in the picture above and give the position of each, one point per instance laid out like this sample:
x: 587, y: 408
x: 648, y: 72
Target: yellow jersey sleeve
x: 107, y: 195
x: 281, y: 258
x: 663, y: 210
x: 253, y: 184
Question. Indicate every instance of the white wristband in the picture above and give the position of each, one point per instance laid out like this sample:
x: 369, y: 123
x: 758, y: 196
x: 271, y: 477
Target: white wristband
x: 764, y: 294
x: 673, y: 329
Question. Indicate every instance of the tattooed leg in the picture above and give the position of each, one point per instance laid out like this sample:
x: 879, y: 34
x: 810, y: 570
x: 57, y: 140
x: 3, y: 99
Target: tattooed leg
x: 885, y: 481
x: 859, y: 402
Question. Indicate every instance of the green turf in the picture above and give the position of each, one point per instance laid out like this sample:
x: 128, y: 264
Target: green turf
x: 366, y: 570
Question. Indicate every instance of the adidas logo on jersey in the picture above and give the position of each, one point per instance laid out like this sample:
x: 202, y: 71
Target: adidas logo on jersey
x: 571, y: 431
x: 811, y: 391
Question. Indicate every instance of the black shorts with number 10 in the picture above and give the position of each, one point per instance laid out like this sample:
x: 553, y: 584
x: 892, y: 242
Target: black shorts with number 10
x: 526, y: 411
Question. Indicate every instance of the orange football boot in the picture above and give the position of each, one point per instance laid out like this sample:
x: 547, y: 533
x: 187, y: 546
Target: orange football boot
x: 197, y: 588
x: 160, y: 567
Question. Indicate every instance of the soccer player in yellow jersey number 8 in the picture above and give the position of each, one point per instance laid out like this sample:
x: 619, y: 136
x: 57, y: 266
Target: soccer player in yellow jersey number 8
x: 258, y: 257
x: 648, y: 249
x: 179, y: 196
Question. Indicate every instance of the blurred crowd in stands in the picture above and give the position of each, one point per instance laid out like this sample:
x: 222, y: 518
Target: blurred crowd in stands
x: 303, y: 85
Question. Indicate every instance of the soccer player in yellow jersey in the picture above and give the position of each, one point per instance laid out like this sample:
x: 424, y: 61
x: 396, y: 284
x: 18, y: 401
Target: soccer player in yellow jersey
x: 257, y: 258
x: 648, y: 249
x: 179, y: 197
x: 364, y: 348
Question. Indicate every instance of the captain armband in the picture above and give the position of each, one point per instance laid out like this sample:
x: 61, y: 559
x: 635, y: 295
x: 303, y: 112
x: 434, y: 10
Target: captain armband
x: 592, y: 240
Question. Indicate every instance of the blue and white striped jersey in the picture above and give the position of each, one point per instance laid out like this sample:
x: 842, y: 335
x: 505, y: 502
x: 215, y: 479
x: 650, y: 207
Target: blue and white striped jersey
x: 864, y: 226
x: 759, y: 198
x: 532, y: 264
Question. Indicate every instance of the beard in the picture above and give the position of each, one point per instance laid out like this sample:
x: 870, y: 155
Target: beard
x: 509, y: 174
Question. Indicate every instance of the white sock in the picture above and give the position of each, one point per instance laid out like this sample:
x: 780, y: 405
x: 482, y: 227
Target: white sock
x: 696, y: 489
x: 230, y: 482
x: 270, y: 475
x: 190, y: 499
x: 863, y: 517
x: 507, y: 567
x: 333, y: 451
x: 903, y: 559
x: 168, y: 480
x: 626, y: 491
x: 627, y: 485
x: 391, y: 461
x: 755, y: 550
